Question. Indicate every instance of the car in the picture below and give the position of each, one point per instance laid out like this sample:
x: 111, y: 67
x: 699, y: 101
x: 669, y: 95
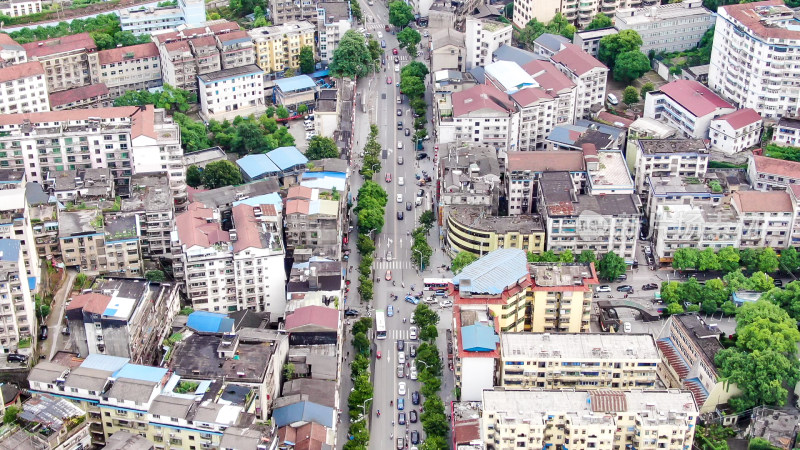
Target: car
x: 351, y: 312
x: 396, y: 60
x: 399, y: 145
x: 400, y: 181
x: 413, y: 373
x: 401, y: 357
x: 625, y: 288
x: 777, y: 283
x: 412, y: 416
x: 16, y: 357
x: 388, y: 275
x: 650, y: 287
x: 397, y: 67
x: 401, y: 443
x: 412, y: 351
x: 421, y: 193
x: 383, y: 44
x: 390, y: 311
x: 401, y: 418
x: 415, y: 437
x: 412, y: 333
x: 399, y: 198
x: 43, y: 333
x: 394, y: 51
x: 421, y: 156
x: 399, y: 215
x: 400, y: 160
x: 401, y: 387
x: 611, y: 98
x: 415, y: 397
x: 380, y: 35
x: 401, y: 344
x: 622, y: 277
x: 388, y: 177
x: 65, y: 331
x: 411, y: 299
x: 648, y: 250
x: 408, y: 206
x: 603, y: 288
x: 440, y: 293
x: 446, y: 304
x: 407, y: 132
x: 401, y: 371
x: 388, y: 256
x: 388, y: 80
x: 399, y: 112
x: 383, y: 61
x: 401, y: 404
x: 400, y: 125
x: 627, y: 327
x: 378, y: 354
x: 386, y: 28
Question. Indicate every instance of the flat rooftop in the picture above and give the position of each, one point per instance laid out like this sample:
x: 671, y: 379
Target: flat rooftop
x: 703, y: 335
x: 653, y: 146
x: 476, y: 218
x: 234, y: 72
x: 612, y: 171
x: 196, y: 356
x: 121, y: 227
x: 562, y: 274
x: 571, y: 347
x: 149, y: 192
x: 73, y: 223
x: 669, y: 185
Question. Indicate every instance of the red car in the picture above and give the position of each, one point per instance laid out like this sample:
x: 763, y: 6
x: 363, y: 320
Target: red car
x: 388, y: 80
x: 388, y: 177
x: 394, y: 51
x: 378, y: 354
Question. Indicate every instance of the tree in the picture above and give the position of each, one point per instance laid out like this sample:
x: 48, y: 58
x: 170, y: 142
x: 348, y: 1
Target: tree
x: 421, y: 253
x: 307, y: 61
x: 760, y: 444
x: 611, y: 266
x: 647, y: 87
x: 270, y: 111
x: 426, y: 219
x: 375, y: 52
x: 630, y: 95
x: 560, y: 25
x: 749, y: 259
x: 351, y: 57
x: 566, y: 257
x: 462, y: 259
x: 760, y: 376
x: 282, y: 112
x: 671, y: 291
x: 408, y: 38
x: 366, y: 289
x: 103, y: 41
x: 763, y: 325
x: 587, y: 256
x: 600, y: 21
x: 370, y: 219
x: 684, y: 258
x: 355, y: 9
x: 728, y: 259
x: 194, y: 176
x: 288, y: 371
x: 630, y: 65
x: 707, y: 260
x: 692, y: 291
x: 361, y: 344
x: 429, y: 333
x: 767, y: 260
x: 365, y: 244
x: 81, y: 282
x: 674, y: 308
x: 221, y: 173
x: 613, y: 45
x: 372, y: 190
x: 425, y: 316
x: 400, y: 13
x: 790, y: 260
x: 320, y: 147
x: 787, y: 298
x: 412, y: 86
x: 760, y: 282
x: 362, y: 325
x: 10, y: 416
x: 155, y: 275
x: 729, y: 308
x: 440, y: 442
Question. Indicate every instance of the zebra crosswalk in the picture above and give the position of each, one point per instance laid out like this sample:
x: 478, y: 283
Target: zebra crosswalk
x: 375, y: 26
x: 399, y: 334
x: 396, y: 264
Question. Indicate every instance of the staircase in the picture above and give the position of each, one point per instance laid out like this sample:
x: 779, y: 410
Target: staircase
x: 674, y: 358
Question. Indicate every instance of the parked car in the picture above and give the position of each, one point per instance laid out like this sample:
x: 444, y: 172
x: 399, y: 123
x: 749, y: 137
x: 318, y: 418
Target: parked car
x: 401, y: 181
x: 399, y: 198
x: 351, y: 312
x: 407, y: 132
x: 413, y: 373
x: 16, y: 357
x: 446, y: 303
x: 612, y: 99
x: 388, y: 177
x: 623, y: 277
x: 400, y: 125
x: 421, y: 156
x: 399, y: 110
x: 43, y: 333
x: 401, y: 403
x: 401, y: 442
x: 412, y: 332
x: 415, y: 437
x: 390, y: 311
x: 650, y: 287
x: 412, y: 416
x: 415, y: 397
x: 401, y: 418
x: 401, y: 344
x: 412, y: 351
x: 603, y: 288
x: 399, y: 160
x: 777, y: 282
x: 625, y: 288
x: 401, y: 386
x: 408, y: 206
x: 401, y: 370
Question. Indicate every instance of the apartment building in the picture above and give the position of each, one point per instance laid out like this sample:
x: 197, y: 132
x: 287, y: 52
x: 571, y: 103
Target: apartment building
x: 669, y: 158
x: 687, y: 106
x: 766, y: 218
x: 483, y: 37
x: 481, y: 115
x: 16, y: 302
x: 277, y: 48
x: 557, y: 85
x: 605, y: 419
x: 313, y: 222
x: 677, y: 190
x: 91, y: 96
x: 466, y: 175
x: 65, y: 60
x: 578, y: 361
x: 17, y: 8
x: 786, y: 132
x: 588, y: 74
x: 48, y: 422
x: 469, y: 229
x: 589, y: 40
x: 767, y: 173
x: 476, y: 351
x: 525, y: 11
x: 235, y: 49
x: 127, y: 318
x: 333, y: 21
x: 577, y: 222
x: 283, y: 12
x: 24, y: 88
x: 125, y: 69
x: 735, y: 132
x: 752, y: 58
x: 151, y: 202
x: 448, y: 50
x: 16, y: 223
x: 561, y: 297
x: 98, y: 246
x: 148, y: 20
x: 524, y: 169
x: 72, y: 186
x: 697, y: 226
x: 669, y: 28
x: 10, y: 51
x: 229, y: 93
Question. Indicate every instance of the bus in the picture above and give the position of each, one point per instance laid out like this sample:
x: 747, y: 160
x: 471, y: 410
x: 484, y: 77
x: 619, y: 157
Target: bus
x: 436, y: 284
x: 380, y: 324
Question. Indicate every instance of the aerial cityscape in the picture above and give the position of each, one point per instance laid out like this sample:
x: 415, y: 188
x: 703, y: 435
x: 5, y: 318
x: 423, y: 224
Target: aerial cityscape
x: 399, y: 224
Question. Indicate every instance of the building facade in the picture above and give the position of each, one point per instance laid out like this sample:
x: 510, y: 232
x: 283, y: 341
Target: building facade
x: 588, y: 74
x: 471, y: 231
x: 687, y: 106
x: 735, y: 132
x: 482, y: 38
x: 18, y: 311
x: 232, y: 92
x: 65, y: 60
x: 669, y: 28
x: 125, y: 69
x: 277, y: 48
x: 669, y: 158
x: 24, y: 89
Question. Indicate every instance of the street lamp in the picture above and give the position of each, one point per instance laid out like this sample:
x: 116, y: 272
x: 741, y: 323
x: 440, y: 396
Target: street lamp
x: 420, y: 258
x: 364, y: 406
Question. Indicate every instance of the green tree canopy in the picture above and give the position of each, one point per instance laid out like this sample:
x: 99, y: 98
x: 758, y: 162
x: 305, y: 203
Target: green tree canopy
x: 194, y: 176
x: 412, y: 86
x: 320, y: 147
x: 307, y: 61
x: 155, y: 275
x: 351, y: 57
x: 221, y: 173
x: 414, y: 69
x: 611, y: 266
x: 462, y: 259
x: 600, y: 21
x: 587, y: 256
x: 648, y: 87
x: 630, y: 95
x: 408, y: 39
x: 630, y: 65
x: 400, y: 13
x: 685, y: 258
x: 613, y: 45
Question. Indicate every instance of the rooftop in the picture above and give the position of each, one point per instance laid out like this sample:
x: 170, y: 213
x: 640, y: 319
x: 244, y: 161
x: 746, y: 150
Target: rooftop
x: 638, y: 16
x: 612, y: 170
x: 577, y: 276
x: 129, y: 53
x: 510, y: 76
x: 655, y: 146
x: 256, y: 227
x: 149, y: 192
x: 597, y: 33
x: 446, y: 36
x: 577, y: 60
x: 767, y: 20
x: 296, y: 84
x: 550, y: 161
x: 493, y: 273
x: 74, y: 223
x: 703, y: 335
x: 196, y: 356
x: 121, y: 227
x: 551, y: 41
x: 227, y: 195
x: 128, y: 389
x: 198, y: 227
x: 476, y: 219
x: 281, y: 30
x: 9, y: 250
x: 576, y: 347
x: 287, y: 158
x: 303, y: 412
x: 233, y: 72
x: 482, y: 97
x: 762, y: 201
x: 210, y: 322
x: 547, y: 75
x: 694, y: 97
x: 515, y: 54
x: 202, y: 157
x: 774, y: 166
x: 56, y: 46
x: 314, y: 316
x: 257, y: 165
x: 19, y: 71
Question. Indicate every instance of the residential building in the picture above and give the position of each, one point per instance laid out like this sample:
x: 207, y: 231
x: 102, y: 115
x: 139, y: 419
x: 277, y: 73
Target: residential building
x: 481, y: 115
x: 607, y: 172
x: 232, y: 92
x: 283, y: 12
x: 602, y: 418
x: 48, y: 422
x: 448, y: 50
x: 786, y: 132
x: 97, y: 246
x: 669, y: 158
x: 295, y: 91
x: 17, y: 8
x: 667, y: 28
x: 314, y: 283
x: 525, y: 11
x: 670, y: 191
x: 24, y: 88
x: 235, y: 49
x: 16, y: 221
x: 469, y: 176
x: 10, y: 51
x: 333, y: 21
x: 148, y: 20
x: 313, y: 222
x: 283, y: 162
x: 326, y: 112
x: 124, y: 69
x: 471, y: 230
x: 556, y: 85
x: 696, y: 226
x: 476, y: 350
x: 589, y: 40
x: 523, y: 170
x: 549, y: 44
x: 122, y: 317
x: 686, y: 105
x: 72, y: 186
x: 688, y: 345
x: 445, y: 83
x: 65, y: 60
x: 91, y: 96
x: 561, y: 297
x: 588, y: 74
x: 585, y: 132
x: 202, y: 158
x: 578, y: 361
x: 18, y: 312
x: 277, y: 48
x: 748, y: 59
x: 151, y: 202
x: 483, y: 37
x: 767, y: 218
x: 735, y: 132
x: 767, y: 173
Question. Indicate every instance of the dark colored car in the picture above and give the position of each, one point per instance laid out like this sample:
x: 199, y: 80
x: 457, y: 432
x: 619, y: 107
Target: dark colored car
x: 421, y: 193
x: 777, y: 283
x: 412, y: 350
x: 407, y: 132
x: 421, y: 156
x: 399, y: 111
x: 415, y: 437
x: 412, y: 416
x: 399, y: 215
x: 415, y: 397
x: 400, y: 125
x: 650, y: 287
x: 622, y: 277
x: 408, y: 206
x: 625, y: 288
x: 43, y: 333
x: 351, y: 313
x: 16, y: 357
x: 401, y: 344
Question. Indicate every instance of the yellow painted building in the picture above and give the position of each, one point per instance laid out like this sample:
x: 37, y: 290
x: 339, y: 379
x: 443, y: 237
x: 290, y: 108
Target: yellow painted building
x: 278, y: 48
x: 468, y: 230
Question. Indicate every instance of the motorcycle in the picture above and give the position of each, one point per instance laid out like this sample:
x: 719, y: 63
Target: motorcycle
x: 391, y: 402
x: 394, y: 283
x: 379, y: 413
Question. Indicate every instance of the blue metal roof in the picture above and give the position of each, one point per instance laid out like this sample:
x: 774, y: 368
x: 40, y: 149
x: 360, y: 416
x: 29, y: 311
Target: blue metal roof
x: 297, y: 83
x: 566, y: 134
x: 493, y: 273
x: 144, y: 373
x: 324, y: 180
x: 551, y: 41
x: 514, y: 54
x: 608, y: 129
x: 479, y: 74
x: 267, y: 199
x: 320, y: 73
x: 9, y: 250
x: 479, y: 338
x: 303, y: 412
x: 209, y: 322
x: 257, y: 165
x: 287, y: 157
x: 104, y: 362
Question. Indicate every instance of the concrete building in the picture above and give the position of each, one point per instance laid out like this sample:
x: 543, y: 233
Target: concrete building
x: 767, y: 173
x: 151, y: 202
x: 72, y: 186
x: 696, y: 226
x: 786, y: 132
x: 686, y: 105
x: 577, y: 361
x: 669, y: 28
x: 548, y: 44
x: 448, y: 50
x: 585, y: 132
x: 481, y: 115
x: 677, y: 190
x: 561, y: 297
x: 91, y: 96
x: 473, y: 231
x: 313, y: 221
x: 469, y: 176
x: 767, y: 218
x: 232, y: 92
x: 10, y: 51
x: 445, y: 84
x: 748, y: 65
x: 669, y: 158
x: 277, y: 48
x: 588, y: 74
x: 16, y: 222
x: 236, y: 49
x: 48, y: 422
x: 523, y: 170
x: 482, y: 38
x: 65, y: 60
x: 476, y: 350
x: 129, y: 318
x: 735, y: 132
x: 18, y: 8
x: 294, y: 91
x: 283, y: 12
x: 513, y: 419
x: 24, y: 89
x: 125, y: 69
x: 326, y: 112
x: 333, y: 21
x: 186, y: 13
x: 589, y: 40
x: 97, y: 246
x: 18, y: 310
x: 525, y: 11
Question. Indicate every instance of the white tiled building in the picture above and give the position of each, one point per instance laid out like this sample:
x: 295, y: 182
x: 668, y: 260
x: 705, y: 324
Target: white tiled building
x: 669, y: 157
x: 588, y: 74
x: 735, y: 132
x: 670, y: 28
x: 686, y: 105
x: 482, y: 38
x: 18, y: 315
x: 17, y: 8
x: 333, y: 21
x: 766, y: 218
x: 767, y: 173
x: 697, y: 226
x: 482, y: 114
x: 23, y: 89
x: 125, y: 69
x: 787, y: 132
x: 232, y: 92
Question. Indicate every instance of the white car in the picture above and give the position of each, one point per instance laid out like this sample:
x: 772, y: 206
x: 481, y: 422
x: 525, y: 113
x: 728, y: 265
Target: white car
x: 399, y: 198
x: 611, y: 98
x: 446, y: 303
x: 401, y: 357
x: 380, y: 35
x: 397, y: 67
x: 399, y: 145
x: 413, y: 374
x: 603, y: 288
x: 401, y: 388
x: 412, y: 333
x: 401, y: 181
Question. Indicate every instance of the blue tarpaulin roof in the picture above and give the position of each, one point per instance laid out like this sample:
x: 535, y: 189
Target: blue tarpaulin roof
x: 287, y: 157
x: 479, y: 338
x: 493, y: 273
x: 209, y: 322
x: 272, y: 198
x: 257, y: 165
x: 32, y: 283
x: 104, y: 362
x: 320, y: 73
x: 298, y: 83
x: 303, y: 412
x: 137, y: 372
x: 9, y: 250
